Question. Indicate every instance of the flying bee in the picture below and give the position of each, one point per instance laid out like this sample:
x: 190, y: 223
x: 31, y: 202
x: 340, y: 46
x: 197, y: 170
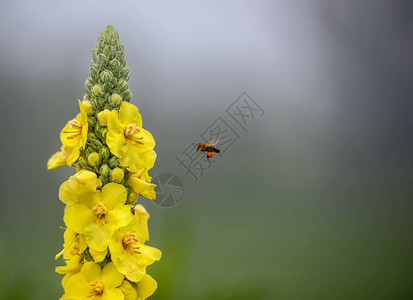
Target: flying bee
x: 208, y: 147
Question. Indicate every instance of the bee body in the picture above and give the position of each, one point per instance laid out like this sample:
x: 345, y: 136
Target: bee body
x: 209, y: 148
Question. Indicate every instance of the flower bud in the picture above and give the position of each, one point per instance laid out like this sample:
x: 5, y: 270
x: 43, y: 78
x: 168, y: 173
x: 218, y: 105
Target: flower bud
x: 120, y: 56
x: 97, y: 90
x: 108, y: 51
x: 96, y: 144
x: 115, y: 99
x: 97, y: 130
x: 125, y: 72
x: 113, y: 162
x: 103, y: 117
x: 117, y: 175
x: 87, y: 105
x: 115, y: 66
x: 123, y: 85
x: 94, y: 54
x: 89, y: 83
x: 104, y: 132
x: 104, y: 173
x: 91, y: 136
x: 102, y: 59
x: 94, y: 71
x: 106, y: 76
x: 100, y: 103
x: 91, y: 121
x: 93, y: 159
x: 132, y: 196
x: 104, y: 153
x: 128, y: 95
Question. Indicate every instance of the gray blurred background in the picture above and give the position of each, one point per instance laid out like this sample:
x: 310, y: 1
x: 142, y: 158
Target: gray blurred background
x: 313, y: 202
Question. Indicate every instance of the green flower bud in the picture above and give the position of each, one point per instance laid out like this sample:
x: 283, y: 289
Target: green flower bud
x: 115, y: 99
x: 107, y: 86
x: 94, y: 71
x: 100, y: 103
x: 127, y: 96
x: 106, y: 76
x: 102, y: 59
x: 89, y: 83
x: 124, y: 72
x: 108, y: 51
x: 120, y: 56
x: 117, y: 175
x: 91, y: 121
x: 104, y: 133
x: 91, y: 136
x: 98, y: 129
x: 123, y: 85
x: 93, y: 159
x: 104, y: 173
x: 104, y: 153
x: 94, y: 54
x: 96, y: 144
x: 97, y: 90
x: 115, y: 66
x: 113, y: 161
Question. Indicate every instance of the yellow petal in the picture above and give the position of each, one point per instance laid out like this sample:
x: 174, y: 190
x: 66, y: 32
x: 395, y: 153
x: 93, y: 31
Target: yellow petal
x: 110, y: 276
x: 113, y: 194
x: 146, y: 287
x: 129, y: 113
x: 55, y: 161
x: 112, y: 294
x: 91, y: 271
x: 84, y: 123
x: 98, y: 235
x: 119, y: 216
x: 128, y: 291
x: 78, y: 216
x: 98, y: 256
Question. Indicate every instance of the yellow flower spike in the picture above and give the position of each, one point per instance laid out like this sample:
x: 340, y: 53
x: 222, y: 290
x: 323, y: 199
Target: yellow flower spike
x: 141, y: 186
x: 103, y: 117
x: 95, y: 283
x: 93, y: 159
x: 87, y: 105
x: 128, y: 251
x: 127, y: 139
x: 128, y: 291
x: 98, y: 215
x: 117, y: 175
x: 82, y: 181
x: 146, y: 287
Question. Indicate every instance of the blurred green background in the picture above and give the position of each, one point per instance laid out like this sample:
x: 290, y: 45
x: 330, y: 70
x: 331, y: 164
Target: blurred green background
x: 313, y: 202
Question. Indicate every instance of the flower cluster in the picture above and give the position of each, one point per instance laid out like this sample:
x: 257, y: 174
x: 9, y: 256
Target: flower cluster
x: 106, y: 230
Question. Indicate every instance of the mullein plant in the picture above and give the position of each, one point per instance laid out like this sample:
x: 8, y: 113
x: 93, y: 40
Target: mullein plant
x: 106, y: 230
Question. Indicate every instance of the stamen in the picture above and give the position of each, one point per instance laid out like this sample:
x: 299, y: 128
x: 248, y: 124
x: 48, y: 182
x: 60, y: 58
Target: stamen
x: 100, y: 212
x: 96, y: 290
x: 75, y: 124
x: 129, y: 243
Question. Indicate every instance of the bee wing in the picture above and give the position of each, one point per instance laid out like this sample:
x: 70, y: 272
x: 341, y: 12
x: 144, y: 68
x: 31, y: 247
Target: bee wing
x: 213, y: 142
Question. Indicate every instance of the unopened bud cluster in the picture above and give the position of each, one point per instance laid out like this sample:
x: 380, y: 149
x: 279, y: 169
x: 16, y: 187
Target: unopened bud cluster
x: 106, y: 228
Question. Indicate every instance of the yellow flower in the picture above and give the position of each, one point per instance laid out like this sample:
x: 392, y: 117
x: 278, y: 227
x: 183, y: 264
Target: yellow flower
x: 97, y: 215
x: 95, y: 283
x: 140, y: 182
x: 82, y: 181
x: 59, y: 158
x: 73, y: 247
x: 73, y: 137
x: 146, y: 287
x: 128, y: 252
x: 128, y: 140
